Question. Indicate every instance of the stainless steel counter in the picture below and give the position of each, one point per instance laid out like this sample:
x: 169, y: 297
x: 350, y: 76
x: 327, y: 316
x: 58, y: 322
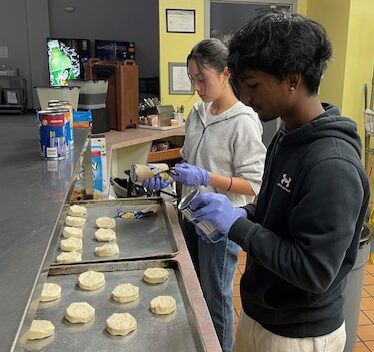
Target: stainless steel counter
x: 33, y: 192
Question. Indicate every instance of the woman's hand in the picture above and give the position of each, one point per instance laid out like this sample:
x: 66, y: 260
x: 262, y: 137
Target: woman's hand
x: 156, y: 183
x: 190, y: 175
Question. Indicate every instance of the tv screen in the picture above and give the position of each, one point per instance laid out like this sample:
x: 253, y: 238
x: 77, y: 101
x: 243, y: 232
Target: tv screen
x: 65, y: 59
x: 114, y: 50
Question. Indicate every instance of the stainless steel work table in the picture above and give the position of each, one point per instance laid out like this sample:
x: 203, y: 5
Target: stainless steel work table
x: 32, y: 194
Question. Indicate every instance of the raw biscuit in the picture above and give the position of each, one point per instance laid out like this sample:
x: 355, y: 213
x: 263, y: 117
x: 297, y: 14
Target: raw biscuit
x: 72, y: 232
x: 105, y: 235
x: 79, y: 312
x: 107, y: 250
x: 91, y: 280
x: 77, y: 210
x: 75, y: 221
x: 106, y: 222
x: 163, y: 305
x: 40, y: 329
x: 50, y: 292
x: 155, y: 275
x: 69, y: 257
x: 125, y: 293
x: 71, y: 244
x: 120, y: 324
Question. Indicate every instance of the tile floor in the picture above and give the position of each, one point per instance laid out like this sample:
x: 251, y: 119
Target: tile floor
x: 365, y: 331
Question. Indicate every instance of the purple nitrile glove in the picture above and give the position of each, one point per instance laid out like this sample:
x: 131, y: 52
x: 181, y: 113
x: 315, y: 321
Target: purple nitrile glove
x: 190, y: 175
x: 217, y: 209
x: 156, y: 183
x: 201, y: 234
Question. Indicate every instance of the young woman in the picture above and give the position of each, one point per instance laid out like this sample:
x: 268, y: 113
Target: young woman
x: 225, y: 154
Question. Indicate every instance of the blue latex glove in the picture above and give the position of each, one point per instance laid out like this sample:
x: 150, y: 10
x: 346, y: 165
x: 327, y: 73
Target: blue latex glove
x: 190, y: 175
x: 217, y: 209
x: 156, y: 183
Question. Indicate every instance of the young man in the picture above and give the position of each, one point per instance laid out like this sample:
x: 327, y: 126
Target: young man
x: 302, y: 236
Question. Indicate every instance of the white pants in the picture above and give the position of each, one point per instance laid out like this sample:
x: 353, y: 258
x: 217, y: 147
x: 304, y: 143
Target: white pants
x: 252, y: 337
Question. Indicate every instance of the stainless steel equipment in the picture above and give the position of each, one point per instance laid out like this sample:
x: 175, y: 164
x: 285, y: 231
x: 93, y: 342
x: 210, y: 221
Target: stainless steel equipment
x: 174, y: 332
x: 149, y: 237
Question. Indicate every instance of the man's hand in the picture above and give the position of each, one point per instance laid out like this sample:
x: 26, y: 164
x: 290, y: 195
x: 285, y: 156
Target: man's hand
x: 217, y: 209
x: 190, y: 175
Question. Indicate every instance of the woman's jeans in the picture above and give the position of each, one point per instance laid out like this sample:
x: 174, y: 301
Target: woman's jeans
x: 215, y: 265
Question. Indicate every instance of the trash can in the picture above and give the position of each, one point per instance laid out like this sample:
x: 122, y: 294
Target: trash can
x: 92, y: 96
x: 352, y: 292
x: 64, y: 93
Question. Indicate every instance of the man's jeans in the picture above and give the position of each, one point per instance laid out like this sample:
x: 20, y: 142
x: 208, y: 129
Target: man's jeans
x: 215, y: 265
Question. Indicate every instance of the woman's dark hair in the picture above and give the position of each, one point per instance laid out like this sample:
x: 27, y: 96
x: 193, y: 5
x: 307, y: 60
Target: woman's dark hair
x: 281, y: 43
x: 209, y: 52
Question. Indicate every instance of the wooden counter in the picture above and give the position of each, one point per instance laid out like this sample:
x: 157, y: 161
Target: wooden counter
x: 132, y: 147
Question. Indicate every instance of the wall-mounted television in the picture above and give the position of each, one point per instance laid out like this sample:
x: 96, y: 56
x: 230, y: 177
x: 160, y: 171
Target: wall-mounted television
x: 66, y: 58
x: 114, y: 50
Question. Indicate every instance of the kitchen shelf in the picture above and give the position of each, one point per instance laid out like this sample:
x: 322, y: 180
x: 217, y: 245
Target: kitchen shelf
x: 12, y: 94
x: 162, y: 155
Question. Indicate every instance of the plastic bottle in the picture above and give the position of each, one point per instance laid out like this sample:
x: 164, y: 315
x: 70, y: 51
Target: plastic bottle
x: 59, y: 64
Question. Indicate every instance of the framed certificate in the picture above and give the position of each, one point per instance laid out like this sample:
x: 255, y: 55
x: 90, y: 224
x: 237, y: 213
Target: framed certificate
x: 179, y: 82
x: 180, y: 21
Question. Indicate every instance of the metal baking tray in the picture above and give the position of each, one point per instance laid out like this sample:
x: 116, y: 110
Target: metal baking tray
x: 146, y: 238
x: 175, y: 332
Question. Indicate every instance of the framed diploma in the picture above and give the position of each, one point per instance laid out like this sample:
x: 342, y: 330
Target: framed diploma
x: 179, y: 82
x: 180, y: 21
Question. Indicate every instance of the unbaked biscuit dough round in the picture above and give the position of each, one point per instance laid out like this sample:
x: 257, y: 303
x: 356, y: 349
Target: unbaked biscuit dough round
x: 50, y: 292
x: 105, y: 235
x: 77, y: 210
x: 155, y: 275
x: 163, y: 305
x: 91, y: 280
x: 69, y: 257
x: 72, y: 232
x: 125, y: 293
x: 120, y: 324
x: 106, y: 222
x: 40, y: 329
x: 71, y: 244
x: 107, y: 250
x: 79, y: 312
x: 75, y: 221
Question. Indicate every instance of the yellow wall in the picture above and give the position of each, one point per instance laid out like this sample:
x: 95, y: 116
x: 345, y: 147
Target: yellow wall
x: 359, y: 60
x: 334, y: 16
x: 350, y: 26
x: 301, y: 7
x: 174, y: 47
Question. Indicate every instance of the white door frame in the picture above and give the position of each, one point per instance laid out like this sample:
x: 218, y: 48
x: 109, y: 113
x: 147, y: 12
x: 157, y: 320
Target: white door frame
x: 258, y: 2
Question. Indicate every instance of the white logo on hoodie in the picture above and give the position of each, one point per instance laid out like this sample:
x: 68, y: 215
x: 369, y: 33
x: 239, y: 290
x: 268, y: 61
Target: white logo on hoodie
x: 285, y: 183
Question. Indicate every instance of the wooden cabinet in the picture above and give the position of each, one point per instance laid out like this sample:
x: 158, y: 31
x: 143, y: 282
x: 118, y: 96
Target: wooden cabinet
x: 174, y: 144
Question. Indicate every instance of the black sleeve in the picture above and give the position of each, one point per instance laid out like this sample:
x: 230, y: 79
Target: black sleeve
x: 250, y: 209
x: 322, y: 225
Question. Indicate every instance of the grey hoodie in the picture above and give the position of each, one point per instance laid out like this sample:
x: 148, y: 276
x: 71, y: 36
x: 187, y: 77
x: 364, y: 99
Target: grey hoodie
x: 227, y: 144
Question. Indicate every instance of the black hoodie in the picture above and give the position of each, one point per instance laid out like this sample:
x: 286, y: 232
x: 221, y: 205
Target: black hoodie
x: 302, y: 237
